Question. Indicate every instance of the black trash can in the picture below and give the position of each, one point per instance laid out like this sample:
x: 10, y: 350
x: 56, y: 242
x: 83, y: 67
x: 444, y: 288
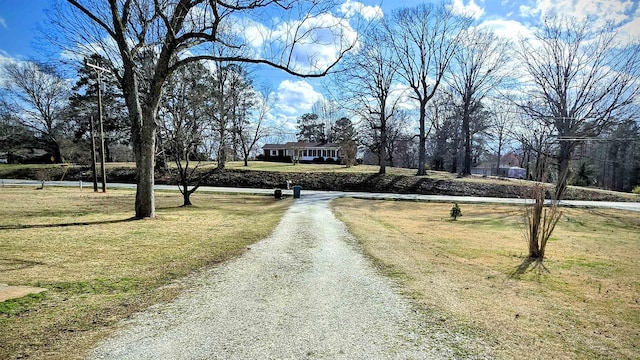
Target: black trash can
x: 296, y: 191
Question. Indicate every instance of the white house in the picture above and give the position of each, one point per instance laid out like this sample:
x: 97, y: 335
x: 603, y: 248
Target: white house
x: 302, y: 151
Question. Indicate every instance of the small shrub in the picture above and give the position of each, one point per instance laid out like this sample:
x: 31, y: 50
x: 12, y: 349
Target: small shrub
x: 43, y: 176
x: 455, y: 211
x: 636, y: 190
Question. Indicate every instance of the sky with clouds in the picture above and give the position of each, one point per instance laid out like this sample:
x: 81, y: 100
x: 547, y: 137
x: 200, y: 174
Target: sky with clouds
x: 295, y: 96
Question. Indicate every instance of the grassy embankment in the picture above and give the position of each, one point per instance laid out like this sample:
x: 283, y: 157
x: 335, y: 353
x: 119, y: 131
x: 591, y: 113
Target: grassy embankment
x: 58, y: 172
x: 99, y: 266
x: 239, y: 165
x: 585, y: 307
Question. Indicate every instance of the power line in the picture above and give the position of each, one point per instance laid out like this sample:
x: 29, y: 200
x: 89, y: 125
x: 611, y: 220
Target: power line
x: 597, y: 139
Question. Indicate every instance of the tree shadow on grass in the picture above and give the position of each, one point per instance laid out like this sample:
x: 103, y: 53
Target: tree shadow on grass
x: 530, y: 264
x: 7, y: 264
x: 81, y: 223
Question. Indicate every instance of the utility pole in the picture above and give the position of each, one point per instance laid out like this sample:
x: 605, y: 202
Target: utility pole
x: 93, y: 155
x: 99, y: 70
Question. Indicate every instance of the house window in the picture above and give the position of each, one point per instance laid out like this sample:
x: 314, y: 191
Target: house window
x: 274, y: 152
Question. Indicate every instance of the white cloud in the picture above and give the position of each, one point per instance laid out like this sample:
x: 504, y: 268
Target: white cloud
x: 318, y: 41
x: 3, y: 22
x: 286, y: 125
x: 508, y: 29
x: 296, y: 97
x: 527, y: 11
x: 351, y: 8
x: 255, y: 34
x: 401, y: 94
x: 472, y: 9
x: 631, y: 30
x: 602, y: 10
x: 5, y: 59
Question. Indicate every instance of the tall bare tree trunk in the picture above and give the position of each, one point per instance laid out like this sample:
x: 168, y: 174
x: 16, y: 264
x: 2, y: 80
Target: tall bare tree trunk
x: 383, y: 147
x: 466, y: 132
x: 144, y: 151
x: 564, y: 157
x: 422, y: 142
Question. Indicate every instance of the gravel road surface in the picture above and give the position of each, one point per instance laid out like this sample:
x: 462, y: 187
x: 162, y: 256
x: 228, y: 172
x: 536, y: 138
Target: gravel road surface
x: 306, y: 292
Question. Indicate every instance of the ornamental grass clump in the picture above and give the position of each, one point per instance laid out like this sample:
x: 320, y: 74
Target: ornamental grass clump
x: 540, y: 220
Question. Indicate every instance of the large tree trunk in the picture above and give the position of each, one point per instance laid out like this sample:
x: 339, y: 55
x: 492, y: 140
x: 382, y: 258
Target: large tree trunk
x: 564, y: 157
x: 466, y: 165
x: 143, y: 139
x: 144, y: 149
x: 186, y: 194
x: 54, y: 147
x: 222, y: 157
x: 382, y: 152
x: 422, y: 143
x: 619, y: 168
x: 500, y: 154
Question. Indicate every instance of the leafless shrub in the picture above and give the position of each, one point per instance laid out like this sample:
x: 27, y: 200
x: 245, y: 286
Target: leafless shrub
x: 540, y: 220
x: 43, y: 176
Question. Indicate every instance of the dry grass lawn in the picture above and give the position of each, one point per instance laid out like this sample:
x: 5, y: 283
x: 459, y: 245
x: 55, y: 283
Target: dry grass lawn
x: 100, y: 266
x: 586, y: 306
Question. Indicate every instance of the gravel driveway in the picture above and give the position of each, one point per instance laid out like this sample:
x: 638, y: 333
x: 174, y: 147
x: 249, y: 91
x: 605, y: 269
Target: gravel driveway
x: 305, y: 292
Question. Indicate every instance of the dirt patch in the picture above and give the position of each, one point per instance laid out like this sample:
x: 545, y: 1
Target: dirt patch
x: 13, y: 292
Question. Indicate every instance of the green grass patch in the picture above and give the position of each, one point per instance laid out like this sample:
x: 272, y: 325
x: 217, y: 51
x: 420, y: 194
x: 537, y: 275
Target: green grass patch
x: 99, y: 265
x: 582, y: 305
x: 12, y: 307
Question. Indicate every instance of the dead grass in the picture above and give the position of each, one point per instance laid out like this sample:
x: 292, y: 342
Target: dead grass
x: 586, y: 307
x: 100, y: 266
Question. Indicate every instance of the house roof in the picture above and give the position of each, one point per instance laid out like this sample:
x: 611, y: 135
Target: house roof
x: 300, y: 144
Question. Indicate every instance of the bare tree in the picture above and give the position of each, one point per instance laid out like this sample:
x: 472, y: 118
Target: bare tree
x: 367, y: 82
x: 536, y: 143
x: 580, y: 81
x: 40, y: 95
x: 182, y: 116
x: 328, y: 113
x: 250, y: 132
x: 397, y: 132
x: 13, y: 134
x: 425, y: 38
x: 478, y: 68
x: 500, y: 127
x: 182, y: 31
x: 231, y: 100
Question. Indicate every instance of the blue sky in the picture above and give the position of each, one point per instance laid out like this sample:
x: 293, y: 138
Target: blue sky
x: 19, y: 19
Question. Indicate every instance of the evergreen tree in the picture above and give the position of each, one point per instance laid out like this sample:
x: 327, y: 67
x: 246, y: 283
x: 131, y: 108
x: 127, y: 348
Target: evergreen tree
x: 83, y: 106
x: 311, y: 128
